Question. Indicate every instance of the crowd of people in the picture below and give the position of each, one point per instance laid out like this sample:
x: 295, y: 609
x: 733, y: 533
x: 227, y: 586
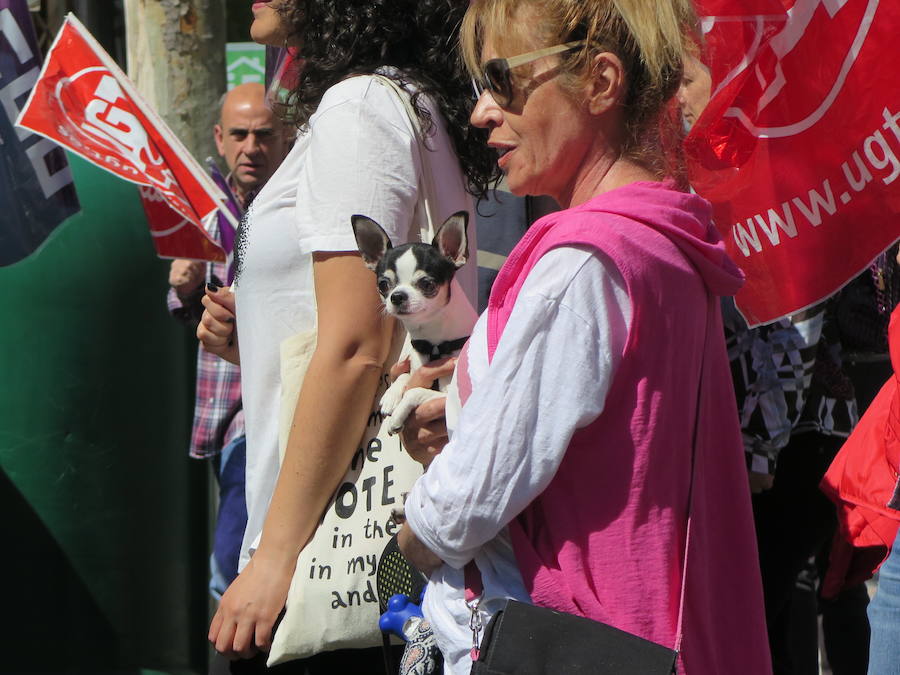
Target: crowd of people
x: 617, y: 444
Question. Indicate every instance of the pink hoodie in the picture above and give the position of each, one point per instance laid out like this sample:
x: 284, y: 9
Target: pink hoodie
x: 606, y: 538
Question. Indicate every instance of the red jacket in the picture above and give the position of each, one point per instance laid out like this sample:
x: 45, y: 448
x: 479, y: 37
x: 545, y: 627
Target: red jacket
x: 861, y: 482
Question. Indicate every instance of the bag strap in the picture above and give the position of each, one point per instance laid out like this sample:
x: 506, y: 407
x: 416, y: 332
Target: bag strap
x: 426, y: 233
x: 426, y: 190
x: 679, y: 628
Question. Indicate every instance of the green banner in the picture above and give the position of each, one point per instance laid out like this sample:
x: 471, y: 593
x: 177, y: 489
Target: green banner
x: 104, y: 515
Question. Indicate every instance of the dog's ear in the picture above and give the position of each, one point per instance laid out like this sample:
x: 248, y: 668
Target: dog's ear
x: 371, y: 239
x: 451, y: 239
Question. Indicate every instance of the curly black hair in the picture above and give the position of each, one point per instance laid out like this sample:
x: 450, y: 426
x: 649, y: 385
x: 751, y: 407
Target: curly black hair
x: 341, y: 38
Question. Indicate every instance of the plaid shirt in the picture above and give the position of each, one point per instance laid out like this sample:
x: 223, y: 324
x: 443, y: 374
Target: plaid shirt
x: 218, y: 409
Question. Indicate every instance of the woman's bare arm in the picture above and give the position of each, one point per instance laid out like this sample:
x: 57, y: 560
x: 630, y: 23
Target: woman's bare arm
x: 329, y: 420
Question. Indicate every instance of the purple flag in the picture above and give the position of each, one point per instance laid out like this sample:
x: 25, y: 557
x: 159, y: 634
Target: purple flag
x: 226, y: 233
x: 226, y: 230
x: 36, y: 188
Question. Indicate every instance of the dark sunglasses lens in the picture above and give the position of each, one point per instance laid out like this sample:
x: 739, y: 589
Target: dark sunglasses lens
x: 496, y: 75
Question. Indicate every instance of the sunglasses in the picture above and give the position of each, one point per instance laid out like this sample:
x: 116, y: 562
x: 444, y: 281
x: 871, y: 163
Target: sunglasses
x: 496, y: 76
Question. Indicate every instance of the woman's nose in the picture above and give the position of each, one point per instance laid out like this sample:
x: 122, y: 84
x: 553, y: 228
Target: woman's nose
x: 486, y: 112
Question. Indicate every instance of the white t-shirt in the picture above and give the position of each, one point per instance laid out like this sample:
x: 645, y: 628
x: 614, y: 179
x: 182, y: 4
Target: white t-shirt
x: 549, y: 376
x: 358, y: 156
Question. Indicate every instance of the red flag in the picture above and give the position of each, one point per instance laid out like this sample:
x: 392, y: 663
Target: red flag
x: 799, y: 147
x: 174, y: 236
x: 84, y: 102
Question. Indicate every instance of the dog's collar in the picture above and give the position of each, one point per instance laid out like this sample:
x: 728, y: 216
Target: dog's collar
x: 435, y: 351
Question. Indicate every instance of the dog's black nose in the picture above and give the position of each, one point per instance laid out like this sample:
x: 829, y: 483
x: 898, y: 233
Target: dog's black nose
x: 398, y: 297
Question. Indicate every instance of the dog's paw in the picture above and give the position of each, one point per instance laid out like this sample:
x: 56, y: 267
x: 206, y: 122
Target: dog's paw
x: 410, y: 400
x: 394, y: 424
x: 393, y: 395
x: 389, y: 404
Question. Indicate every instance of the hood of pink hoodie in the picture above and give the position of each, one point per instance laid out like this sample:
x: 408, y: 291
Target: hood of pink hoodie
x: 685, y: 218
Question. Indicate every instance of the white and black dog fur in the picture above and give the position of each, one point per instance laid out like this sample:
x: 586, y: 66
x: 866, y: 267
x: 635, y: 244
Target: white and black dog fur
x: 416, y: 282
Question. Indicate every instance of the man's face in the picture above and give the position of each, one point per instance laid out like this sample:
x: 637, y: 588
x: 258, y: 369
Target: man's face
x: 249, y: 138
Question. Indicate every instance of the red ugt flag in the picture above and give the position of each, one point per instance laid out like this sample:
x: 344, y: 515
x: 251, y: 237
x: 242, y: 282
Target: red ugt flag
x: 799, y: 147
x: 84, y: 102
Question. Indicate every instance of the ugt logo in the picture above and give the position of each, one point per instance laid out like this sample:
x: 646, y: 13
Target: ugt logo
x: 107, y: 129
x: 792, y: 79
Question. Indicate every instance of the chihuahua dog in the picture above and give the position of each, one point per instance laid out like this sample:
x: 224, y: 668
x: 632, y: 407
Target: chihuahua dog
x: 416, y: 282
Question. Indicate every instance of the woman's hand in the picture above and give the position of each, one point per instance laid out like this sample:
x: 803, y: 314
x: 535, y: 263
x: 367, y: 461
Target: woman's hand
x: 217, y: 330
x: 242, y: 626
x: 424, y: 433
x: 419, y: 556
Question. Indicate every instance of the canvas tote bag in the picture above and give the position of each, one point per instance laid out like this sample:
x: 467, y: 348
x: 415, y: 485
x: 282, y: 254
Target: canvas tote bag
x: 332, y: 602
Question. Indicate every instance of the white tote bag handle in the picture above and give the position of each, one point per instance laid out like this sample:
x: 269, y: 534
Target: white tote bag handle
x: 426, y: 186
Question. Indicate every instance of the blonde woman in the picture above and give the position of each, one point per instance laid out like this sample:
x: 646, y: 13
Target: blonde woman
x: 567, y: 476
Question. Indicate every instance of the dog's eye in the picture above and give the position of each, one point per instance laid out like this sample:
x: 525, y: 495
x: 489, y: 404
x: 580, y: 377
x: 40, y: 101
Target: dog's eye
x: 384, y: 286
x: 426, y: 285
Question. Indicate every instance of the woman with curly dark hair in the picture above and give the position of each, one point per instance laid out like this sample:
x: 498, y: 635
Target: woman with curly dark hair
x: 299, y: 268
x: 341, y: 39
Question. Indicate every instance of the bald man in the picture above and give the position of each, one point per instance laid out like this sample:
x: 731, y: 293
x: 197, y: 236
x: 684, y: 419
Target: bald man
x: 249, y: 138
x: 252, y: 142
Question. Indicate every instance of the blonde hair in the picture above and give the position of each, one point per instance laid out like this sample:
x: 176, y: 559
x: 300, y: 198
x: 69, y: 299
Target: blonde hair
x: 651, y: 37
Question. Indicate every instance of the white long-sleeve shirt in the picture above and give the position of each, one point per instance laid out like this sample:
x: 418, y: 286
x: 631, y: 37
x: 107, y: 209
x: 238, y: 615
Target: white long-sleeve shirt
x: 549, y: 376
